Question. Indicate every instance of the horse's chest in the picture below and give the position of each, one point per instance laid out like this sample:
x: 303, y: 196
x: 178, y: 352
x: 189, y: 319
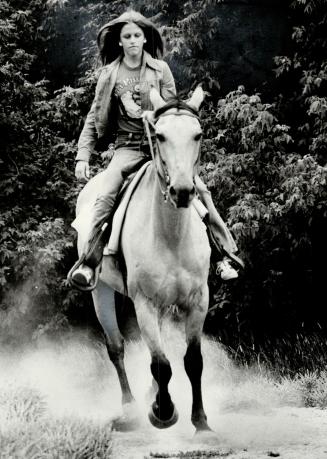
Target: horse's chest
x: 169, y: 284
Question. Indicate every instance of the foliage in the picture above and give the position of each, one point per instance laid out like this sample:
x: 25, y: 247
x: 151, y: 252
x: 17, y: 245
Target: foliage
x: 266, y: 165
x: 37, y: 161
x: 189, y: 28
x: 304, y: 74
x: 264, y: 159
x: 270, y: 195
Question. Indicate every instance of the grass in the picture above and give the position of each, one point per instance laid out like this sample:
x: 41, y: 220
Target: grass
x: 313, y: 389
x: 296, y: 364
x: 28, y: 431
x: 258, y: 381
x: 284, y: 356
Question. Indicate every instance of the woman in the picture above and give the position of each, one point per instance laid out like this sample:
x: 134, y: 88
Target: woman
x: 130, y: 47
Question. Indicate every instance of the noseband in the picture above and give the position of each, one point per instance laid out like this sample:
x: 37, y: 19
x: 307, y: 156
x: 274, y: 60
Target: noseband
x: 162, y: 111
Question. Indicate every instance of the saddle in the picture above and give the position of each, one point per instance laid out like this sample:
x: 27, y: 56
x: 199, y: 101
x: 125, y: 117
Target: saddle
x: 83, y: 220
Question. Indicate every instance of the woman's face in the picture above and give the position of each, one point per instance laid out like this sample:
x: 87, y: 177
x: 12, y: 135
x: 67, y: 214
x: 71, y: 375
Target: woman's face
x: 132, y: 40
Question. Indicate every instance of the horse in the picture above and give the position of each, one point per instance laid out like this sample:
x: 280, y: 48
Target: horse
x: 167, y: 254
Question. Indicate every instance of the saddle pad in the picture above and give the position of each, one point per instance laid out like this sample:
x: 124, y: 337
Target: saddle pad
x: 82, y: 222
x: 118, y: 220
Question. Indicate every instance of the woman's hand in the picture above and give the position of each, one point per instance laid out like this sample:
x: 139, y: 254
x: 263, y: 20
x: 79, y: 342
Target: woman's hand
x: 82, y: 170
x: 148, y: 116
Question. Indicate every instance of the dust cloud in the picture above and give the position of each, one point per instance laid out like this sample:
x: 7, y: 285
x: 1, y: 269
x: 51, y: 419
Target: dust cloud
x: 245, y: 407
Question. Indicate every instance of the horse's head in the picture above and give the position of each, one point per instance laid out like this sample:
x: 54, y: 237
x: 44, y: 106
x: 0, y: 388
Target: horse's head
x: 178, y: 133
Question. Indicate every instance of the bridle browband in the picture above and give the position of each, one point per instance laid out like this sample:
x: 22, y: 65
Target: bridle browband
x: 159, y: 113
x: 179, y: 105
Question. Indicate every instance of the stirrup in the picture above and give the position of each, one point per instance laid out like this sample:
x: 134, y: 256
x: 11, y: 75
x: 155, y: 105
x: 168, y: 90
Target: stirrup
x: 225, y: 270
x: 234, y: 258
x: 83, y: 288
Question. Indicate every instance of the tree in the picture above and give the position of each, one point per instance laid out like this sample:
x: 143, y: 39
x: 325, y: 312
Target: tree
x: 264, y: 159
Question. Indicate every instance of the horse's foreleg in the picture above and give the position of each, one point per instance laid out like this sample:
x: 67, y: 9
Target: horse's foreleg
x: 194, y: 364
x: 104, y: 303
x: 162, y: 413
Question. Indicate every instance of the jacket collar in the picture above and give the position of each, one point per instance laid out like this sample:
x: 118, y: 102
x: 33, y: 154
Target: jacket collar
x: 146, y: 60
x: 150, y: 61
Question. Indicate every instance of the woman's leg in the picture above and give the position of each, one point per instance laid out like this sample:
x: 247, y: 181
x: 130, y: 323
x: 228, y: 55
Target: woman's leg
x: 217, y: 224
x: 221, y: 237
x: 122, y: 163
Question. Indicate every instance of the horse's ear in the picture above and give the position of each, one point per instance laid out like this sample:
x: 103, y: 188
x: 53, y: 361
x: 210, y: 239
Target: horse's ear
x: 197, y: 98
x: 156, y: 99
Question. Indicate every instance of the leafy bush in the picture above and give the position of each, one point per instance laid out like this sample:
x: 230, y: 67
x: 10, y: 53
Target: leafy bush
x: 264, y: 159
x: 37, y: 186
x: 266, y: 166
x: 270, y: 195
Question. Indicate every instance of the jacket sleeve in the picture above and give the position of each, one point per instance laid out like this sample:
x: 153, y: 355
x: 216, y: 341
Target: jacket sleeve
x: 87, y: 138
x: 168, y: 88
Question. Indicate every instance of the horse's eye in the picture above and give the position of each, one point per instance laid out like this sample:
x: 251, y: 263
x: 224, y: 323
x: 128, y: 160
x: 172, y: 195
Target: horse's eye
x: 160, y: 137
x: 198, y: 136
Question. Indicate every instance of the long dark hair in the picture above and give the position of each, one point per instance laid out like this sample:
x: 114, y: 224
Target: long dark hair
x: 109, y: 36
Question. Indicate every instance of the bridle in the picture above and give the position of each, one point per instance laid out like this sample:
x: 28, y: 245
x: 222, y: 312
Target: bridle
x: 159, y: 113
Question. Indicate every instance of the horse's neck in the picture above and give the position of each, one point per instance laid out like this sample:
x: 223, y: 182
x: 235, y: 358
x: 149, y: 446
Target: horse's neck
x: 169, y: 224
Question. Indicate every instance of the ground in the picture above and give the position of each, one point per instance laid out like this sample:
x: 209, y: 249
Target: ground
x: 288, y: 433
x: 72, y: 388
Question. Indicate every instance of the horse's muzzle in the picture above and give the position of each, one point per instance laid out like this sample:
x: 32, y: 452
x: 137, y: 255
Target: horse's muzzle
x: 181, y: 196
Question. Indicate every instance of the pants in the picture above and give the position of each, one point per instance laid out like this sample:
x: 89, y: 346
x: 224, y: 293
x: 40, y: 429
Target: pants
x: 217, y: 224
x: 128, y: 157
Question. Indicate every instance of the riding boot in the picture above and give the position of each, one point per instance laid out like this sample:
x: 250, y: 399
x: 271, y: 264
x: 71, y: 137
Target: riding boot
x: 84, y: 275
x: 95, y: 245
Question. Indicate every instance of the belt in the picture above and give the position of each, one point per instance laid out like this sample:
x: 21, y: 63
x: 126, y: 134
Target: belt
x: 131, y: 136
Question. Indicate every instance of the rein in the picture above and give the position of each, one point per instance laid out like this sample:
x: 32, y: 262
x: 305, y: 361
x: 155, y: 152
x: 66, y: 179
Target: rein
x: 179, y: 105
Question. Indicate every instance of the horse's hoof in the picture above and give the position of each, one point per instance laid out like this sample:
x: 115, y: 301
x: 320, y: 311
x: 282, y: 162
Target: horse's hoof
x: 206, y: 435
x: 125, y: 424
x: 163, y: 423
x: 203, y: 430
x: 130, y: 420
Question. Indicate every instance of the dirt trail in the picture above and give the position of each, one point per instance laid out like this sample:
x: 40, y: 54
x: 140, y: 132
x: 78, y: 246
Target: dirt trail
x: 253, y: 417
x: 288, y: 433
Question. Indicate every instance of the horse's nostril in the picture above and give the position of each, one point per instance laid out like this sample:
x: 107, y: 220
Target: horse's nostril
x: 172, y: 191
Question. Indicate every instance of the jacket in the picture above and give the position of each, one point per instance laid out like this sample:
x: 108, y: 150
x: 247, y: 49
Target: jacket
x: 100, y: 121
